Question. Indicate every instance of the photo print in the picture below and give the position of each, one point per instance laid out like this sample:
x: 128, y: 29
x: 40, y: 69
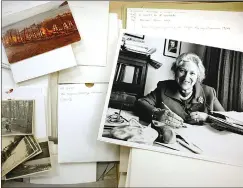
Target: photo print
x: 37, y: 165
x: 172, y: 48
x: 40, y: 33
x: 17, y: 117
x: 191, y: 106
x: 15, y: 150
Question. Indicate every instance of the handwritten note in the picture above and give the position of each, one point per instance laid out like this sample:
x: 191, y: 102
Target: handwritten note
x: 71, y: 92
x: 80, y: 110
x: 203, y: 27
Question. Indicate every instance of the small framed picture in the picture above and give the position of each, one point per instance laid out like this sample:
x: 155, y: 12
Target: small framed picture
x: 172, y: 48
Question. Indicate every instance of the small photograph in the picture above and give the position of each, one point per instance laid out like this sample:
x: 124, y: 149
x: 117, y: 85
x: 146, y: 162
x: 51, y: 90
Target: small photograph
x: 39, y: 164
x: 17, y: 117
x: 8, y: 145
x: 35, y: 145
x: 18, y: 155
x: 191, y: 105
x: 172, y: 48
x: 39, y: 34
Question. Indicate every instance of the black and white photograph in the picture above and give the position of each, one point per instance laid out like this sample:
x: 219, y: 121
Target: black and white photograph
x: 21, y: 152
x: 189, y: 106
x: 39, y: 164
x: 172, y: 48
x: 9, y: 144
x: 35, y: 145
x: 17, y: 117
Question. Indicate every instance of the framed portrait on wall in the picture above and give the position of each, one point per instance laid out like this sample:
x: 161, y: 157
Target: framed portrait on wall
x: 172, y: 48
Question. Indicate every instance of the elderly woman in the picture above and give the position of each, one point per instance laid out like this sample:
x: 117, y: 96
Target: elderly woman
x: 184, y: 99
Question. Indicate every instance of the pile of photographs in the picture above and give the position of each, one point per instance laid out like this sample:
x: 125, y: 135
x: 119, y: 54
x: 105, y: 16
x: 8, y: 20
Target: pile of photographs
x: 23, y: 155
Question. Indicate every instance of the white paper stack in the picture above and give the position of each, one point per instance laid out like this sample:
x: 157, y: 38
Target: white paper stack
x: 32, y: 79
x: 82, y: 120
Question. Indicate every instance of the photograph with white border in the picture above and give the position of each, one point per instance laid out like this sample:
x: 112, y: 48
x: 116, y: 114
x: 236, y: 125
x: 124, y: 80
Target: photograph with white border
x: 190, y: 105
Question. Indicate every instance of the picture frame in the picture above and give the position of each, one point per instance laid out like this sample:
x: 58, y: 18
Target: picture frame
x: 172, y: 48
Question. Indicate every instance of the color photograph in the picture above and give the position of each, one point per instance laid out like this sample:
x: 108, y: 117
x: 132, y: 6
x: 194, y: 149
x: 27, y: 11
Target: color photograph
x: 39, y: 34
x: 17, y: 117
x: 190, y: 106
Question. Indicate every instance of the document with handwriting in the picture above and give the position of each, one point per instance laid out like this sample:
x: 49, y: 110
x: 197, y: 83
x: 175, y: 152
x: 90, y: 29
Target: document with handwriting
x: 79, y: 114
x: 213, y: 28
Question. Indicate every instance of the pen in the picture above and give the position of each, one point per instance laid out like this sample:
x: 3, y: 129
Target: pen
x: 166, y: 106
x: 183, y: 125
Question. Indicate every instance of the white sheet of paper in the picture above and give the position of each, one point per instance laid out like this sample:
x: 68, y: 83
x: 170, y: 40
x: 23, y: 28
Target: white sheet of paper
x: 68, y: 174
x: 14, y: 11
x: 127, y: 184
x: 122, y: 180
x: 43, y: 64
x: 79, y: 115
x: 91, y: 18
x: 214, y: 28
x: 124, y: 157
x: 94, y: 74
x: 7, y: 78
x: 153, y: 169
x: 36, y: 94
x: 4, y: 62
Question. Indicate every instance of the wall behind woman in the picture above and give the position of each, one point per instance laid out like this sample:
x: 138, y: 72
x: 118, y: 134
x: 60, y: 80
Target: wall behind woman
x: 164, y: 72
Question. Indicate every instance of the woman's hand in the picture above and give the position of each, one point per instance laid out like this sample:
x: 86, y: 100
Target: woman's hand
x: 198, y: 117
x: 168, y: 117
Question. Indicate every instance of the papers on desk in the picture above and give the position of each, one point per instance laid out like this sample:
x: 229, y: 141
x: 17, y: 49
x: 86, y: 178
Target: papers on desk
x: 95, y: 74
x: 155, y: 169
x: 92, y: 20
x: 79, y: 115
x: 208, y: 29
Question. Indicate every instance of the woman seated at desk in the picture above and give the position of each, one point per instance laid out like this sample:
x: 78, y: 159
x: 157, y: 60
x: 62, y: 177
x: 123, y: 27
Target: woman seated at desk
x: 184, y: 99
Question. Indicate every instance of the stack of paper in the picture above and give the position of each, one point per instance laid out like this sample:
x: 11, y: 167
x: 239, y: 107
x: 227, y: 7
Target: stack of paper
x: 44, y: 89
x: 59, y: 60
x: 24, y: 129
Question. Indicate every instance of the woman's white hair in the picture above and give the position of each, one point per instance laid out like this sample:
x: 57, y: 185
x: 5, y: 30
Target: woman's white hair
x: 190, y: 57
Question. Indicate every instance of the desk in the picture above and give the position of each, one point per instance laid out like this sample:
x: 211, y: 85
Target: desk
x: 222, y: 146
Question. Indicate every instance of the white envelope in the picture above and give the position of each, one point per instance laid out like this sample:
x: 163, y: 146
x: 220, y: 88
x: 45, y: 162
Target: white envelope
x: 94, y: 74
x: 36, y: 94
x: 79, y: 115
x: 91, y: 18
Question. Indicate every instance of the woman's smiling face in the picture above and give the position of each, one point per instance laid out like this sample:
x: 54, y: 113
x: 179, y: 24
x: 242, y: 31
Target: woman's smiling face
x: 186, y: 75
